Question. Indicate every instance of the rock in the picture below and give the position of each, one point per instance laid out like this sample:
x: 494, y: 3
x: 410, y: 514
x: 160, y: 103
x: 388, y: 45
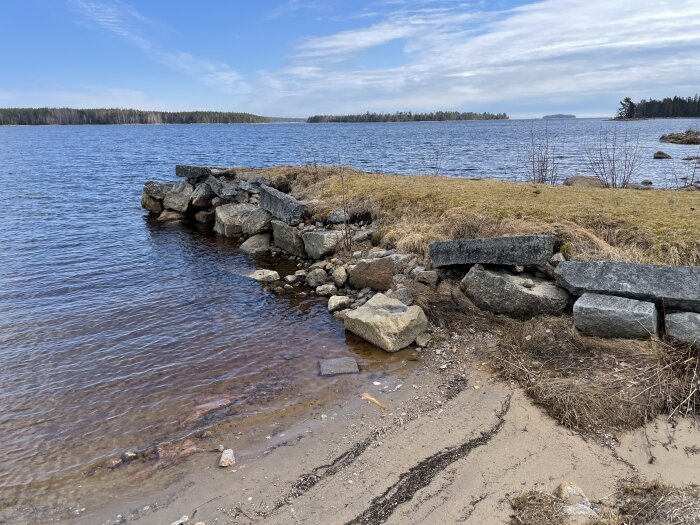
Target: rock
x: 402, y: 260
x: 202, y: 196
x: 364, y: 235
x: 528, y: 283
x: 583, y: 181
x: 423, y: 340
x: 399, y: 279
x: 265, y: 276
x: 316, y: 277
x: 689, y: 137
x: 661, y: 155
x: 647, y: 182
x: 204, y: 216
x: 230, y: 218
x: 182, y: 521
x: 321, y: 242
x: 288, y: 238
x: 376, y: 253
x: 675, y: 287
x: 610, y: 316
x: 338, y: 216
x: 219, y: 201
x: 337, y: 366
x: 405, y: 295
x: 571, y: 494
x: 151, y: 204
x: 282, y: 206
x: 429, y: 277
x: 256, y: 222
x: 202, y: 172
x: 257, y: 244
x: 170, y: 215
x: 340, y: 276
x: 156, y: 189
x: 178, y: 198
x: 526, y: 250
x: 291, y: 279
x: 376, y: 274
x: 684, y: 327
x: 326, y: 290
x: 579, y: 510
x: 556, y: 259
x: 339, y: 302
x: 357, y: 255
x: 502, y: 293
x: 387, y: 323
x: 227, y: 458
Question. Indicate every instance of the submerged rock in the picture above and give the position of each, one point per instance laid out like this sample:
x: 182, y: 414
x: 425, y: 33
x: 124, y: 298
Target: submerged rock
x: 502, y: 293
x: 526, y: 250
x: 337, y: 366
x: 610, y: 316
x: 661, y: 155
x: 387, y: 323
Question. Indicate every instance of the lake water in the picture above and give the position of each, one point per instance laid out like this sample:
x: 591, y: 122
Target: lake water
x: 117, y: 332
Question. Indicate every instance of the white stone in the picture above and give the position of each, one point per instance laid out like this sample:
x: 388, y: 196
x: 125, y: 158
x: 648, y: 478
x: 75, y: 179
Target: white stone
x: 264, y: 276
x: 227, y: 458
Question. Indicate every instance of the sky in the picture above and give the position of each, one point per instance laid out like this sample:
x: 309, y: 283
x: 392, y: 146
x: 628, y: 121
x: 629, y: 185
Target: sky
x: 295, y: 58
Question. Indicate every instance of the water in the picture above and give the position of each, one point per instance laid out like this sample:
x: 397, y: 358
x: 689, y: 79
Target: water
x: 117, y: 333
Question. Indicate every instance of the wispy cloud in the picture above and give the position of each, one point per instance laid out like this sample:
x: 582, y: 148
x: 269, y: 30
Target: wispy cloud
x: 125, y: 21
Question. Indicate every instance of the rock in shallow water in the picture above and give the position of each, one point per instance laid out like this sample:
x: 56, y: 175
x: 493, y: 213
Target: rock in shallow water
x: 338, y: 365
x: 339, y: 302
x: 257, y: 244
x: 387, y: 323
x: 264, y: 276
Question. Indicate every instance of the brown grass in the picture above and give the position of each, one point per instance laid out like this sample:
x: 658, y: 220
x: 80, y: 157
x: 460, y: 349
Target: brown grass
x: 600, y: 385
x: 611, y: 224
x: 535, y: 507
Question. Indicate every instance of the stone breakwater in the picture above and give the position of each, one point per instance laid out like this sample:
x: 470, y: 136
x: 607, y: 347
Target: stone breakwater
x: 373, y: 289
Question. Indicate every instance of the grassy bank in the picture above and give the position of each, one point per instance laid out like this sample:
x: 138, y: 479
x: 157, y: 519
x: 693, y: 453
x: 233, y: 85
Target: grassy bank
x: 652, y: 226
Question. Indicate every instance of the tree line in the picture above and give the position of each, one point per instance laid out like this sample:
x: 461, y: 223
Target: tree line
x: 63, y: 116
x: 407, y: 116
x: 669, y: 107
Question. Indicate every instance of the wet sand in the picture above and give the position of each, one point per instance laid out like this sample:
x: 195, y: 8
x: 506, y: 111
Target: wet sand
x: 454, y: 445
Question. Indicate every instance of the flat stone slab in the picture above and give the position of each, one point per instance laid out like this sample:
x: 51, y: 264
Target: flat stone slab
x: 684, y: 327
x: 521, y: 296
x: 338, y: 365
x: 524, y: 250
x: 387, y: 323
x: 282, y: 206
x: 202, y: 172
x: 288, y: 238
x: 321, y: 242
x: 675, y: 287
x: 611, y: 316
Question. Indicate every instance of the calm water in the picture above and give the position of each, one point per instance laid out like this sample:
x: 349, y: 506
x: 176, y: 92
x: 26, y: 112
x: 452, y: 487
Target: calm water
x: 116, y: 332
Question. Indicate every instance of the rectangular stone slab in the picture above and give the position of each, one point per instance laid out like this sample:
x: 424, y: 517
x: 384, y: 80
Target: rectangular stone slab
x: 282, y: 206
x: 611, y: 316
x: 524, y: 250
x: 674, y: 287
x: 201, y: 172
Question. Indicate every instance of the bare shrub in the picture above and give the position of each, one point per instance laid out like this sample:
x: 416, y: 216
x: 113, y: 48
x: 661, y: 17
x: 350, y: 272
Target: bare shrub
x: 615, y: 158
x: 542, y: 163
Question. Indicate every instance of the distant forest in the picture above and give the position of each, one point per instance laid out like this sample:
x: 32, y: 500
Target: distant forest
x: 408, y: 117
x: 44, y: 116
x: 676, y: 107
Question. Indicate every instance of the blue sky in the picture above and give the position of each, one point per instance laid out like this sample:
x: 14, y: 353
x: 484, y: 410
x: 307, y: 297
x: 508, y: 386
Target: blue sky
x: 297, y: 58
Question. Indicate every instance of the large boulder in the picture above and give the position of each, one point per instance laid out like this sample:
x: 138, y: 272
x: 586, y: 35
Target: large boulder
x: 684, y: 327
x: 524, y: 250
x: 611, y: 316
x: 257, y: 244
x: 157, y: 189
x: 229, y: 218
x: 257, y: 222
x: 178, y: 197
x: 288, y: 238
x: 200, y: 173
x: 520, y: 296
x: 376, y: 274
x: 674, y: 287
x: 282, y: 206
x: 151, y: 204
x: 321, y: 242
x: 387, y: 323
x: 202, y: 196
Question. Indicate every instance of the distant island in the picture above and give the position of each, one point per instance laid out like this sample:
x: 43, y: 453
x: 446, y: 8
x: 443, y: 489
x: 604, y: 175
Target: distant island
x: 669, y: 107
x: 67, y: 116
x: 407, y: 116
x: 558, y: 116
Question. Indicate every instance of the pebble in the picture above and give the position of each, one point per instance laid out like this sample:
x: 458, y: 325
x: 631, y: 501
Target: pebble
x: 529, y: 283
x: 227, y: 458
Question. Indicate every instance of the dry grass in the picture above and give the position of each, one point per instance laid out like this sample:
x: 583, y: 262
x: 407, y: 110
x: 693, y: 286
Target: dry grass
x: 600, y: 385
x: 535, y: 507
x: 627, y: 225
